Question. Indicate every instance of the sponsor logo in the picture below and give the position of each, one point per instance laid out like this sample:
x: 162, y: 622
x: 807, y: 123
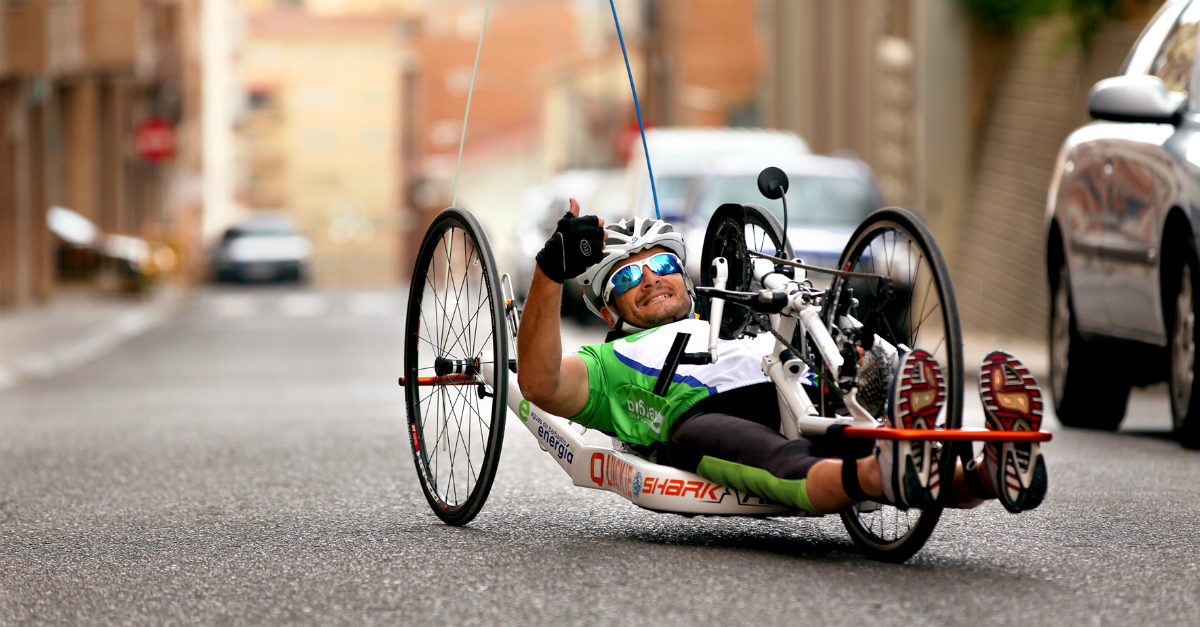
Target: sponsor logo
x: 610, y: 471
x: 523, y: 411
x: 416, y: 440
x: 613, y: 472
x: 647, y: 413
x: 585, y: 248
x: 699, y: 490
x: 704, y: 491
x: 555, y: 444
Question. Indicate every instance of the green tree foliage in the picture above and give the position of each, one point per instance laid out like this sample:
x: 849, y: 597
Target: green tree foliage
x: 1009, y: 17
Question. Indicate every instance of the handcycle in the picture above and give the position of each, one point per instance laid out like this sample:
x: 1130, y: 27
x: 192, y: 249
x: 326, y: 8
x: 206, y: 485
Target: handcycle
x: 890, y: 293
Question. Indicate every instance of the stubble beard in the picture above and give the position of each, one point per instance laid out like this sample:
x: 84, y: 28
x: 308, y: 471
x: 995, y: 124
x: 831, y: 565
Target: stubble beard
x: 666, y: 316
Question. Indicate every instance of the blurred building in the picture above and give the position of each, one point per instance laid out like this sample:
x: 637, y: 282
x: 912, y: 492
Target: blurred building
x: 319, y: 135
x: 550, y: 93
x: 958, y: 123
x: 76, y: 78
x: 704, y: 60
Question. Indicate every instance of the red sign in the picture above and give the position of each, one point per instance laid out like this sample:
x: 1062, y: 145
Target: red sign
x: 629, y: 138
x: 154, y: 140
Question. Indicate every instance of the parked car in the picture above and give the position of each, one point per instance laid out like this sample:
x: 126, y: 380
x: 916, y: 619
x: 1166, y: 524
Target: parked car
x: 266, y: 247
x: 119, y: 262
x: 827, y: 199
x: 599, y: 192
x: 1123, y: 214
x: 678, y: 155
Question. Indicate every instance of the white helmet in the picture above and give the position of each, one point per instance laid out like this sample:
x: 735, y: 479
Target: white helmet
x: 622, y: 240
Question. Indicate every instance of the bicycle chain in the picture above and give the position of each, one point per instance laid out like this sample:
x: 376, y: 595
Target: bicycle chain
x: 765, y: 323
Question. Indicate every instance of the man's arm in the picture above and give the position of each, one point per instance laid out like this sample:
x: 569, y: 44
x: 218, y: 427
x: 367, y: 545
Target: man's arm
x: 555, y: 382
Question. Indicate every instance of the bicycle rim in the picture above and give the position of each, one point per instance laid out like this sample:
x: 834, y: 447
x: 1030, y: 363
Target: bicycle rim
x: 921, y: 313
x: 455, y: 322
x: 765, y: 234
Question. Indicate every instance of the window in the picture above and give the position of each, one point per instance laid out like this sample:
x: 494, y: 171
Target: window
x: 1174, y: 61
x: 1145, y: 49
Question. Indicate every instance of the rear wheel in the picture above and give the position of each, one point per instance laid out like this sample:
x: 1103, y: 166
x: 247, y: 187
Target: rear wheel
x: 920, y: 312
x: 1084, y: 396
x: 455, y: 332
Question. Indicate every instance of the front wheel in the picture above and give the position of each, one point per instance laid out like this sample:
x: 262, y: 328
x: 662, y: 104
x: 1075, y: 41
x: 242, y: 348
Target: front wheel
x: 919, y: 311
x: 455, y: 332
x: 1084, y: 395
x: 732, y: 232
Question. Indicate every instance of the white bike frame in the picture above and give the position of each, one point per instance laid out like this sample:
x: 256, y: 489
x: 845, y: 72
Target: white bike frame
x: 667, y: 489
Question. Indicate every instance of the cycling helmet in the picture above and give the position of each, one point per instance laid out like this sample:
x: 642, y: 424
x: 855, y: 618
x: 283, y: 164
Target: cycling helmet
x: 623, y: 239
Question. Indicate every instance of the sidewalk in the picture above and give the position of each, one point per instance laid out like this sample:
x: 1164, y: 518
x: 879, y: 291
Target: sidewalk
x: 80, y: 325
x: 1034, y: 353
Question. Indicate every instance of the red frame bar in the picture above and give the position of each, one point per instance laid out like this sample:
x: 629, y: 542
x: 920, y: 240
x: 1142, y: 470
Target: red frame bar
x: 449, y: 379
x: 947, y: 435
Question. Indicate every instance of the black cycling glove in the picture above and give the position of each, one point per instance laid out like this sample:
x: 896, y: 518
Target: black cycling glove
x: 577, y: 243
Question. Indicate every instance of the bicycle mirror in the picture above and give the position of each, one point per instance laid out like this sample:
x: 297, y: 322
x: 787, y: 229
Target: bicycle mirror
x: 772, y: 182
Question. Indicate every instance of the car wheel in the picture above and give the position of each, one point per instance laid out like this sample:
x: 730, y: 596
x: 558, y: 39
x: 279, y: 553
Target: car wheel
x: 1087, y: 393
x: 1185, y: 397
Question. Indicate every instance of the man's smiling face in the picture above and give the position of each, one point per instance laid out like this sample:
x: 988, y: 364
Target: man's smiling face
x: 656, y: 301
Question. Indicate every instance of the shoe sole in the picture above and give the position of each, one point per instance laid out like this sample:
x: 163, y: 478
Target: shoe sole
x: 920, y: 395
x: 1012, y: 401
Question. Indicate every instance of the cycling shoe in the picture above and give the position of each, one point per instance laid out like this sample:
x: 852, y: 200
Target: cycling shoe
x: 1012, y: 401
x: 909, y: 468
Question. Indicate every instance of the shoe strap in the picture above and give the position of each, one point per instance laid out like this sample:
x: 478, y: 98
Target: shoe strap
x: 974, y: 483
x: 850, y: 482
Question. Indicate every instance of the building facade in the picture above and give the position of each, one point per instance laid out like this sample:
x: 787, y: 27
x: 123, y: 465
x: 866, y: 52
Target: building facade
x: 76, y: 78
x: 319, y: 136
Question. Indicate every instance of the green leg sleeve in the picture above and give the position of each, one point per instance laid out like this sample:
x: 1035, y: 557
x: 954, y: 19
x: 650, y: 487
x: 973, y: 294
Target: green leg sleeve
x: 756, y: 481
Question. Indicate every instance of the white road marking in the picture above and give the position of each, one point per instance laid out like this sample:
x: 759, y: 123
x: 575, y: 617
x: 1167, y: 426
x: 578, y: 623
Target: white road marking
x: 229, y: 306
x: 373, y: 304
x: 302, y: 305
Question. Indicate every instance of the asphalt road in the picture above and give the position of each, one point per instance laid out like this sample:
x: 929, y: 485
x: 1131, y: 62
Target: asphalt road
x: 245, y: 464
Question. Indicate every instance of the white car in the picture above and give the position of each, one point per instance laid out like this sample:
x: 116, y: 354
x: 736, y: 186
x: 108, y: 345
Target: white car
x: 679, y: 155
x: 264, y: 248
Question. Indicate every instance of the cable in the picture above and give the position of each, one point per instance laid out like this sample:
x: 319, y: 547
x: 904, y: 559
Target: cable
x: 470, y: 90
x: 636, y: 107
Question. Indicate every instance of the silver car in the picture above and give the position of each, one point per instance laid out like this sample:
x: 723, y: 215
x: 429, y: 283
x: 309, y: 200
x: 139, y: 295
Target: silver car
x: 1122, y: 213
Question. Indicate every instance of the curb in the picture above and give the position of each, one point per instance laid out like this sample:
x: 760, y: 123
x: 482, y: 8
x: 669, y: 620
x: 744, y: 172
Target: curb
x: 62, y: 357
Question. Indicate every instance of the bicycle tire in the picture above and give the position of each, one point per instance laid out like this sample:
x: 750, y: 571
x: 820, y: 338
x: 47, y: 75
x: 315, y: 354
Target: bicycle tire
x: 455, y: 314
x: 894, y: 241
x: 762, y: 232
x: 765, y: 234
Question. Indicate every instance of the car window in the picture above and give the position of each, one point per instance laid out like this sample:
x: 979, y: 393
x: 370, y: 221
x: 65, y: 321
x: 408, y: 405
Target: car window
x: 812, y: 200
x: 1174, y: 61
x: 1146, y: 48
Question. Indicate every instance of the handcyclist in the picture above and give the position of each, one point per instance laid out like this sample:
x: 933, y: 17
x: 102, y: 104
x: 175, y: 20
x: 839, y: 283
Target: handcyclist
x: 722, y: 420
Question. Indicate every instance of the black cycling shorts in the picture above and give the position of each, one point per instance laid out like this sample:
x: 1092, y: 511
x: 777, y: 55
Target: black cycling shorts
x: 741, y: 426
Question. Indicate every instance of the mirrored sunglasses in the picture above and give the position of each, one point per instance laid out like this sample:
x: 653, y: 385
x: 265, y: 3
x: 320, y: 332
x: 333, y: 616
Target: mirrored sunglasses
x: 630, y: 275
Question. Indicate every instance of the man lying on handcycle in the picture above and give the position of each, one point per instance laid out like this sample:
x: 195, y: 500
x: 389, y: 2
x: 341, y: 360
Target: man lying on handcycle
x: 722, y: 420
